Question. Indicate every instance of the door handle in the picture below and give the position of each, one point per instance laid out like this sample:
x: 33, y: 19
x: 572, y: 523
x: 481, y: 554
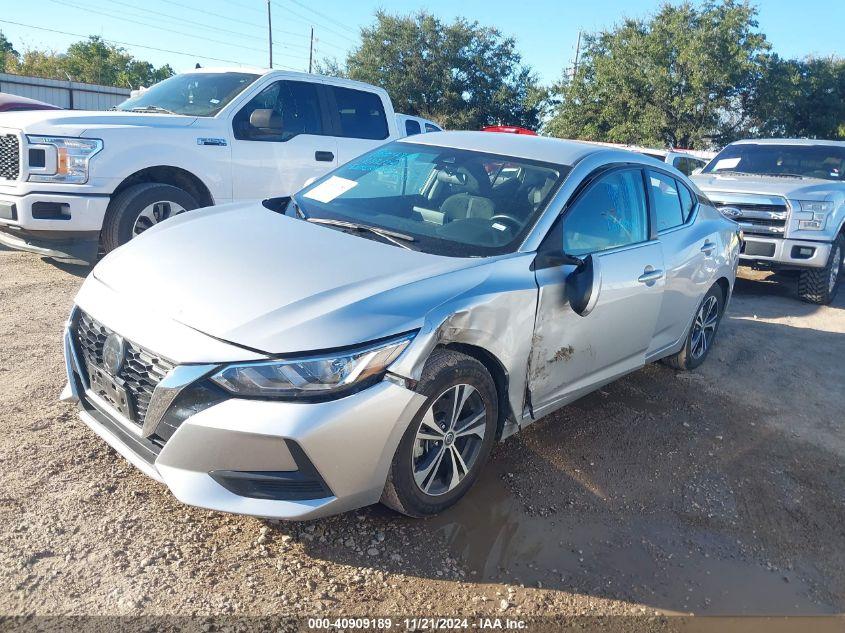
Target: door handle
x: 325, y: 157
x: 650, y: 276
x: 708, y: 248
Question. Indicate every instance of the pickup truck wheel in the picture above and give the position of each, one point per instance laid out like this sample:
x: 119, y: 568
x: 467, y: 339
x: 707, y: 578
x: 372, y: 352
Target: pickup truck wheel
x: 447, y: 443
x: 819, y: 285
x: 702, y: 332
x: 137, y: 208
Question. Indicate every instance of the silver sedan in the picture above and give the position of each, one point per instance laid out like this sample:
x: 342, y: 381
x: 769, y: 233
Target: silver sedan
x: 370, y: 338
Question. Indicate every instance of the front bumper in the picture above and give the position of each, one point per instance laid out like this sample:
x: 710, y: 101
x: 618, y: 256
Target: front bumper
x: 224, y: 457
x: 61, y: 225
x: 778, y: 252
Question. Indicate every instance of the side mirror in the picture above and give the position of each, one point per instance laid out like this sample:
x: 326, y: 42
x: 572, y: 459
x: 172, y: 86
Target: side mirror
x: 266, y: 120
x: 583, y: 286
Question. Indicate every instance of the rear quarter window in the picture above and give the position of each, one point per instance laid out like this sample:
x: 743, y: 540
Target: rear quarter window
x: 360, y: 114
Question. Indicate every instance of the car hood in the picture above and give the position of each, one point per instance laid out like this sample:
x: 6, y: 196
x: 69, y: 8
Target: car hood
x: 276, y: 284
x: 793, y: 188
x: 80, y: 122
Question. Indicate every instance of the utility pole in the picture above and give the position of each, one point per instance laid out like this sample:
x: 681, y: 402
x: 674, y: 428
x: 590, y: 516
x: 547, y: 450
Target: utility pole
x: 270, y: 32
x: 577, y: 51
x: 311, y: 51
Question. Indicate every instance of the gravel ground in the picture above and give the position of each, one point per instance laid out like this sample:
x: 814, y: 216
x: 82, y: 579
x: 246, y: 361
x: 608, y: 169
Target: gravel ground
x: 719, y: 491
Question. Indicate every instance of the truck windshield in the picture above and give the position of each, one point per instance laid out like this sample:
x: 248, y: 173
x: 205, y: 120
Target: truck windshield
x: 192, y: 94
x: 805, y: 161
x: 439, y: 200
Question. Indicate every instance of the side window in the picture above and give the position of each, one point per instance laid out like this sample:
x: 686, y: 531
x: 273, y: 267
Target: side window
x: 667, y: 202
x: 432, y: 128
x: 280, y: 112
x: 412, y: 127
x: 687, y: 201
x: 361, y: 114
x: 611, y: 213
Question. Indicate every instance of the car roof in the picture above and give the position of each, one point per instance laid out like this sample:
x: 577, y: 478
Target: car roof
x: 541, y: 148
x: 288, y: 74
x: 788, y: 141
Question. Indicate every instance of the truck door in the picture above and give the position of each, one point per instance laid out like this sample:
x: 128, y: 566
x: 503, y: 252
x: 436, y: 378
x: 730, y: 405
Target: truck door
x: 360, y: 121
x: 280, y: 140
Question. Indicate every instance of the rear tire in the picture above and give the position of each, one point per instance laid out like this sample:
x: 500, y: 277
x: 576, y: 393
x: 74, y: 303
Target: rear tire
x: 154, y: 200
x: 419, y: 484
x: 819, y: 285
x: 708, y: 316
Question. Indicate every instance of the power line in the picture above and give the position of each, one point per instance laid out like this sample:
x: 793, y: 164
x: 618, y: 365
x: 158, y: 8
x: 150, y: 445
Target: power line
x: 109, y: 41
x: 206, y: 26
x: 230, y: 19
x: 309, y: 21
x: 322, y: 15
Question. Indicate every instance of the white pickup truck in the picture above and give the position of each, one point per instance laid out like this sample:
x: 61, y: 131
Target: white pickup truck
x: 789, y: 198
x: 73, y: 183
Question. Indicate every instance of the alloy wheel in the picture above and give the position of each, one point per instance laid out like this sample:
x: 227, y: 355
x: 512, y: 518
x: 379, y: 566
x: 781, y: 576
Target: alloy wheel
x: 704, y: 327
x: 155, y: 213
x: 449, y: 439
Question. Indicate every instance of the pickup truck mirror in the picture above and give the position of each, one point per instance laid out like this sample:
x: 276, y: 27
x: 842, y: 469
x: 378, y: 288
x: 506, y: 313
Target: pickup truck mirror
x: 266, y: 120
x: 583, y: 286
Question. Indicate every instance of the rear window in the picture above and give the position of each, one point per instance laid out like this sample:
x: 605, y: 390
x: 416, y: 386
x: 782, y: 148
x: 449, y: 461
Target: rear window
x: 432, y: 128
x: 361, y: 114
x: 412, y: 127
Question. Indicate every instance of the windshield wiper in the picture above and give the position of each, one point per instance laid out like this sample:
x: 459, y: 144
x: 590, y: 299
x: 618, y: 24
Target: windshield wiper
x: 391, y: 236
x: 779, y: 175
x: 153, y: 108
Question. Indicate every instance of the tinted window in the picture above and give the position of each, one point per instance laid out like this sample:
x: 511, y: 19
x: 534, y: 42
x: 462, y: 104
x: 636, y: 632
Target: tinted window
x: 432, y: 128
x: 667, y: 202
x: 361, y: 113
x: 769, y: 159
x: 281, y: 111
x: 687, y: 201
x: 611, y: 213
x: 412, y: 127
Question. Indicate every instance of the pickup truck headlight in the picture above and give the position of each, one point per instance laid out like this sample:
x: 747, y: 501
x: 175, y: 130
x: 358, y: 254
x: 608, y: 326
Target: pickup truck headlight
x: 814, y: 214
x: 69, y: 156
x: 329, y: 375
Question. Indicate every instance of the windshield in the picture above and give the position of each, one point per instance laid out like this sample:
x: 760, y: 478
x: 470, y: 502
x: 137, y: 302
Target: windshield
x: 193, y: 94
x: 448, y: 201
x: 807, y: 161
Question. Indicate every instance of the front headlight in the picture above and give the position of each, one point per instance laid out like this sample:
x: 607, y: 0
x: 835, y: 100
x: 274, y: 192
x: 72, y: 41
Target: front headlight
x: 317, y: 376
x: 65, y: 159
x: 813, y: 216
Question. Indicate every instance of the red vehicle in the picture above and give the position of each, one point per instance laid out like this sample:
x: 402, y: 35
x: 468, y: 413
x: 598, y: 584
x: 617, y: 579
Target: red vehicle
x: 508, y: 129
x: 14, y: 103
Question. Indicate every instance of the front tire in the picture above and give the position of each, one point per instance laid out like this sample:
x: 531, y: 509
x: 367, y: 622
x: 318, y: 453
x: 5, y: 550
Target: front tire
x: 137, y: 208
x: 819, y: 285
x: 447, y: 443
x: 702, y: 332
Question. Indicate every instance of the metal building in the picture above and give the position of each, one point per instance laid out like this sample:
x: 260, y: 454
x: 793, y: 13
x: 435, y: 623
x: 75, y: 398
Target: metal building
x: 72, y: 95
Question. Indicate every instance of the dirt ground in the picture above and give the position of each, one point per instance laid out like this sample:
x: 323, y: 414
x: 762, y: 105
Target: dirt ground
x: 715, y: 492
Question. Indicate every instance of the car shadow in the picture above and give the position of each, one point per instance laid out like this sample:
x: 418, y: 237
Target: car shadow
x: 658, y: 489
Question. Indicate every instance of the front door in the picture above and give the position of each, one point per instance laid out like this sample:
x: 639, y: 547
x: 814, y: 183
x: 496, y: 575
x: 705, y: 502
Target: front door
x: 574, y: 354
x: 280, y: 140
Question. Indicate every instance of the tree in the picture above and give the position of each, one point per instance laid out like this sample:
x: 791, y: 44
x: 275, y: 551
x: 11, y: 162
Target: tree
x: 92, y: 61
x: 8, y: 54
x: 461, y: 74
x: 800, y: 98
x: 679, y: 79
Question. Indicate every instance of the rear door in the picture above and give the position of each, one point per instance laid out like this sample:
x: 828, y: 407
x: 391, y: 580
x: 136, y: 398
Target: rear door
x: 689, y: 255
x: 573, y: 354
x: 281, y: 138
x: 359, y: 120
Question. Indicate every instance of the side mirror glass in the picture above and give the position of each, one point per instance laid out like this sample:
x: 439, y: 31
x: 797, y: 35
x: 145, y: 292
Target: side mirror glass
x: 583, y: 286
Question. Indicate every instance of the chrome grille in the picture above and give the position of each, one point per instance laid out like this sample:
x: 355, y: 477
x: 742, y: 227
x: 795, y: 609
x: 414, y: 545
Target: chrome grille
x: 142, y: 370
x: 763, y: 218
x: 10, y: 157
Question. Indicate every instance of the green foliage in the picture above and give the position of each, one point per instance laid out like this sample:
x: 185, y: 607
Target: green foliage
x: 8, y: 54
x: 676, y: 79
x: 800, y: 98
x: 461, y: 75
x: 90, y: 61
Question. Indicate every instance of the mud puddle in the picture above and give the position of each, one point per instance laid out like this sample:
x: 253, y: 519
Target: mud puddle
x: 655, y: 561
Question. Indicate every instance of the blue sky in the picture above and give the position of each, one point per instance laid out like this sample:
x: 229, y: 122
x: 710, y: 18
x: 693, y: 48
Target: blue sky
x: 235, y: 30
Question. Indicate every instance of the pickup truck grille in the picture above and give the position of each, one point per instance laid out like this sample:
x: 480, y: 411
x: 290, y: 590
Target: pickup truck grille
x: 141, y: 372
x: 10, y: 157
x: 759, y: 218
